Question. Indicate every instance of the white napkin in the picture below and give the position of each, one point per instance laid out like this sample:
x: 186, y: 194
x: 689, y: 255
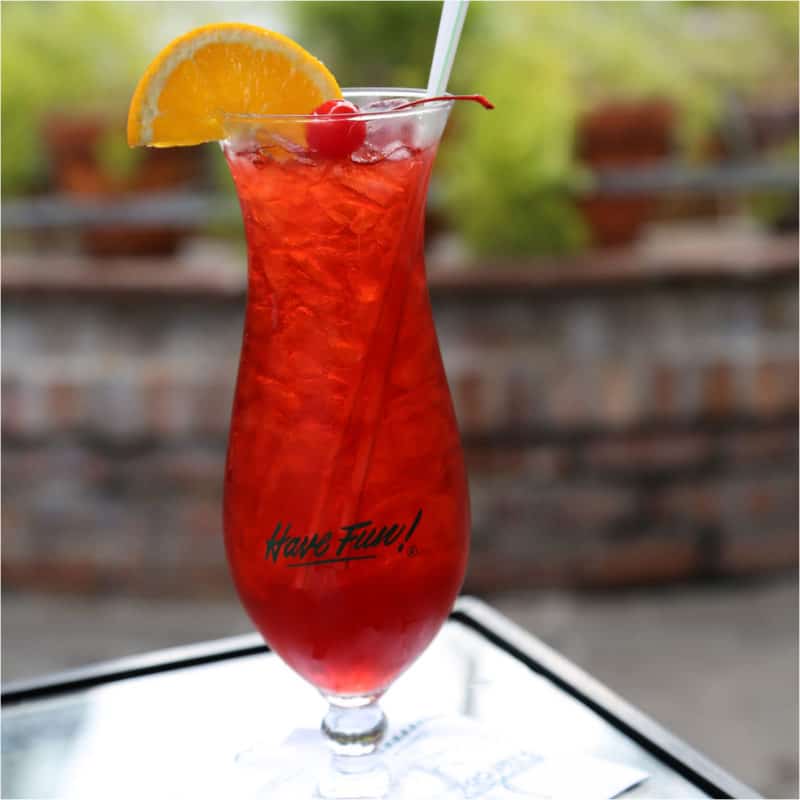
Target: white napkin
x: 449, y: 758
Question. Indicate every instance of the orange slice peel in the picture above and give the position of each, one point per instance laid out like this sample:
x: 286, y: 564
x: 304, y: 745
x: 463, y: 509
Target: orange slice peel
x: 218, y: 70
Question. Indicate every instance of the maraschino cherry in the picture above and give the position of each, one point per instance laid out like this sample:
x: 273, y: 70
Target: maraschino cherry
x: 340, y: 137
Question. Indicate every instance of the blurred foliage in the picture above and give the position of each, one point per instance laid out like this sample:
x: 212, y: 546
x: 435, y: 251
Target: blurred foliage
x: 778, y: 211
x: 115, y: 158
x: 510, y: 176
x: 63, y: 56
x: 371, y: 43
x: 693, y: 54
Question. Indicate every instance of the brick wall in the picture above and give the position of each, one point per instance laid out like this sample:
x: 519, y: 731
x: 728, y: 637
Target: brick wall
x: 626, y: 417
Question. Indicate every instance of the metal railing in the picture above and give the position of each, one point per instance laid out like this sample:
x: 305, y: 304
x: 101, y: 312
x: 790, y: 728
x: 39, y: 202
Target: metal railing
x: 191, y: 209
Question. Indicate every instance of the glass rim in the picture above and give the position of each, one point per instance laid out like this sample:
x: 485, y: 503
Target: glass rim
x: 377, y: 92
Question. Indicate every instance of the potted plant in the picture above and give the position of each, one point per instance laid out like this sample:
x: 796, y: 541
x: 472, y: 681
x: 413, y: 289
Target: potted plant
x: 89, y: 158
x: 620, y: 135
x: 64, y: 97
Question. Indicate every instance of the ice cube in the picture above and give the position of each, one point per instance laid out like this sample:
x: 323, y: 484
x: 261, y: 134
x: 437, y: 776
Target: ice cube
x: 367, y: 154
x: 397, y: 151
x: 383, y: 135
x: 385, y: 104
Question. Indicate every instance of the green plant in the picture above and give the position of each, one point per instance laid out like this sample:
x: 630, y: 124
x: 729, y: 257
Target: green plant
x: 370, y: 43
x: 60, y: 57
x: 510, y: 176
x: 777, y: 210
x: 118, y: 161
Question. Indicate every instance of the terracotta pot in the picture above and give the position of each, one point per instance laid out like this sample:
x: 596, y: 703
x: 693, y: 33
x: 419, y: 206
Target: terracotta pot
x: 619, y: 135
x: 73, y: 144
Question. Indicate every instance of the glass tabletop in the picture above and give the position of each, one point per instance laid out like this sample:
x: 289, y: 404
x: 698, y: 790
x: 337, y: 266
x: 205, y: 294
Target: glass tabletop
x: 179, y: 730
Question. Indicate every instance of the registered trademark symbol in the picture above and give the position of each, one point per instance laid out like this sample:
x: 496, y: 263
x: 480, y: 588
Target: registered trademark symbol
x: 412, y: 551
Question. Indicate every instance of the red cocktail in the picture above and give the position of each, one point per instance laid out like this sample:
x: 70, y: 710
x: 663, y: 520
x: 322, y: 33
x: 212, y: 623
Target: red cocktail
x: 346, y: 509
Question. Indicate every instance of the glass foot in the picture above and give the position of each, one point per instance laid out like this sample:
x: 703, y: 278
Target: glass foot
x: 405, y: 767
x: 302, y: 768
x: 354, y: 778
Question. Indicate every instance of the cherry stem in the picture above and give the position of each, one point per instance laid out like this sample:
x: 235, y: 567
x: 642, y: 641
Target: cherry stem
x: 478, y: 98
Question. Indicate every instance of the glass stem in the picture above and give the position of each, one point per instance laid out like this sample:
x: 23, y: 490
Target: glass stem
x: 354, y: 725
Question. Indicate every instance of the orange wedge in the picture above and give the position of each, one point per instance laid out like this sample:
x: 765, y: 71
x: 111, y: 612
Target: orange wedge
x: 226, y: 68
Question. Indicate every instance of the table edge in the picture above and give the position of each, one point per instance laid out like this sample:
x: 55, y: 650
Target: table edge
x: 638, y: 726
x: 469, y: 612
x: 180, y: 657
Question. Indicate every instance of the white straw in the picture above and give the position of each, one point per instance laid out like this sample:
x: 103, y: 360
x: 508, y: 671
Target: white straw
x: 444, y: 54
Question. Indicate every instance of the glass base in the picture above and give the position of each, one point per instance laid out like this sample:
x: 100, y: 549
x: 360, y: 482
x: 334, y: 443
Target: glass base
x: 303, y: 768
x: 351, y: 777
